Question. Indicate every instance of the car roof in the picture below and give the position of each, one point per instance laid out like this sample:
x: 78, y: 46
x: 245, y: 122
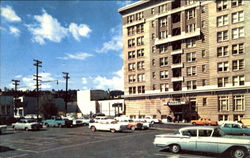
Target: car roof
x: 199, y: 127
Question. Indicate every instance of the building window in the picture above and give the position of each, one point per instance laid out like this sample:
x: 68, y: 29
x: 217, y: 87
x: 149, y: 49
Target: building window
x: 191, y: 57
x: 238, y: 117
x: 141, y: 89
x: 163, y: 22
x: 153, y: 75
x: 140, y: 41
x: 152, y: 10
x: 131, y: 43
x: 141, y: 77
x: 163, y: 48
x: 191, y: 71
x: 236, y: 3
x: 223, y: 103
x: 164, y: 87
x: 239, y: 80
x: 237, y: 17
x: 131, y: 66
x: 164, y: 61
x: 140, y: 28
x: 238, y: 48
x: 164, y: 74
x: 238, y: 32
x: 153, y: 23
x: 223, y: 66
x: 140, y: 65
x: 222, y: 36
x: 223, y: 117
x: 191, y: 28
x: 223, y: 82
x: 203, y: 53
x: 203, y: 68
x: 191, y: 85
x: 222, y: 51
x: 163, y: 8
x: 222, y: 20
x: 163, y: 34
x: 239, y: 103
x: 130, y: 18
x: 203, y: 23
x: 190, y: 2
x: 238, y: 64
x: 132, y: 90
x: 131, y: 54
x: 190, y: 14
x: 204, y: 82
x: 154, y: 87
x: 153, y: 49
x: 190, y: 43
x: 131, y: 30
x: 140, y: 53
x: 222, y: 5
x: 153, y: 36
x: 203, y: 9
x: 139, y: 16
x: 131, y: 78
x: 204, y: 101
x: 153, y: 62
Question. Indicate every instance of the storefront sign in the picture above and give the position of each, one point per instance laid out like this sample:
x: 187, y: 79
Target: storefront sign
x: 172, y: 103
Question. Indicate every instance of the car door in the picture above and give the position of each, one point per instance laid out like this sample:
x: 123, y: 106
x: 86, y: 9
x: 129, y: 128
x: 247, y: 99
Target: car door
x: 227, y: 128
x: 188, y: 141
x: 205, y: 142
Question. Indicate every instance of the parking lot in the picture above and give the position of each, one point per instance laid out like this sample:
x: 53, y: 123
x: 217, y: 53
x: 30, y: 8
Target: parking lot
x: 81, y: 142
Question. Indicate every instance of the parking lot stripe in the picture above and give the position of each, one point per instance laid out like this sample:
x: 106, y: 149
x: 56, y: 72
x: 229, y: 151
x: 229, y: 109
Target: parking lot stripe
x: 22, y: 155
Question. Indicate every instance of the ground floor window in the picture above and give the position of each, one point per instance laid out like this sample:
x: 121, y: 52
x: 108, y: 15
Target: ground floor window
x: 163, y: 116
x: 154, y: 116
x: 239, y: 103
x: 132, y: 116
x: 223, y: 118
x: 238, y: 117
x: 192, y: 102
x: 223, y: 103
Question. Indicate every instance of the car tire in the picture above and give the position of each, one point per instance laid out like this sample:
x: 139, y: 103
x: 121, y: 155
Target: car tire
x: 152, y: 122
x: 175, y: 148
x: 238, y: 152
x: 133, y: 128
x: 112, y: 130
x: 93, y: 129
x: 60, y: 125
x: 26, y: 129
x: 194, y: 123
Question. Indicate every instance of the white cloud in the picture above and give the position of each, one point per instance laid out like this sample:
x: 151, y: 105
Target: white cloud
x: 115, y: 44
x: 84, y: 80
x: 114, y: 83
x: 15, y: 31
x: 18, y: 76
x: 30, y: 83
x: 76, y: 56
x: 123, y: 3
x: 79, y: 31
x: 9, y: 14
x: 48, y: 28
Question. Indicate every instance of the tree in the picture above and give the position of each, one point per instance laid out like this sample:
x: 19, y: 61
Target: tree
x: 49, y: 109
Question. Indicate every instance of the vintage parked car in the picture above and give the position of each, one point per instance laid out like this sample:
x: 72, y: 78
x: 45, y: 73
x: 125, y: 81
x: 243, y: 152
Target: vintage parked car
x: 204, y: 139
x: 3, y: 128
x: 84, y: 120
x: 234, y: 128
x: 57, y: 121
x: 132, y: 125
x: 107, y: 126
x: 27, y: 124
x: 204, y: 121
x: 148, y: 119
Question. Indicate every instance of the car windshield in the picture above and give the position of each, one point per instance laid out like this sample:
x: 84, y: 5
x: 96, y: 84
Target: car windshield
x: 29, y: 121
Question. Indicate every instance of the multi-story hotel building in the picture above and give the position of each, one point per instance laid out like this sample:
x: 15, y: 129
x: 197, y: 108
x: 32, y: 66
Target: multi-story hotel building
x: 185, y: 59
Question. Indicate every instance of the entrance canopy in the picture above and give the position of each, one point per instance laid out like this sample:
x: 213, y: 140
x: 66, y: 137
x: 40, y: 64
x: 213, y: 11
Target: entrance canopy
x: 175, y: 103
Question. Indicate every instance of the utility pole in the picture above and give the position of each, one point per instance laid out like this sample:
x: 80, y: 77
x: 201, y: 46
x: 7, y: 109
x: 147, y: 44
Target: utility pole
x: 66, y: 94
x: 37, y: 64
x: 15, y: 83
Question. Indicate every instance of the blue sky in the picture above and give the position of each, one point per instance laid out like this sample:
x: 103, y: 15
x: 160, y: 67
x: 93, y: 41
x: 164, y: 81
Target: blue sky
x: 79, y: 37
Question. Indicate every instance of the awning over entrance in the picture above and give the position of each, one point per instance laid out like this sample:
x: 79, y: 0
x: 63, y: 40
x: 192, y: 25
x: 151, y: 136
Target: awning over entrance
x: 175, y: 103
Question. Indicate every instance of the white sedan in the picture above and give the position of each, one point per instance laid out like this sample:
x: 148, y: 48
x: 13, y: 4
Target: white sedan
x: 204, y: 139
x: 107, y: 126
